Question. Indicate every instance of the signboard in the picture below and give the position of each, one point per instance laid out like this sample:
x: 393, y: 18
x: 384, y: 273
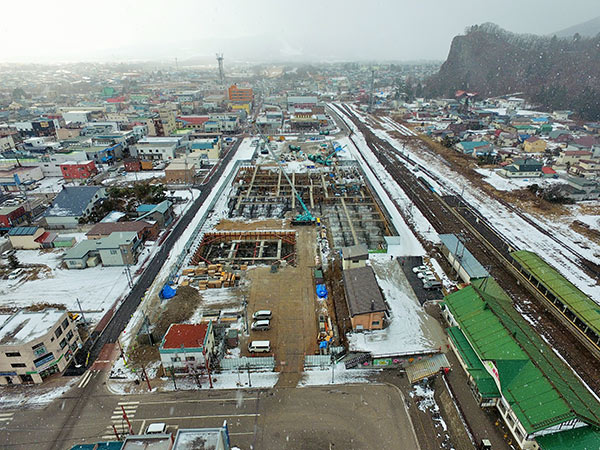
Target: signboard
x: 353, y: 362
x: 44, y: 360
x: 40, y: 351
x: 491, y: 368
x: 7, y: 374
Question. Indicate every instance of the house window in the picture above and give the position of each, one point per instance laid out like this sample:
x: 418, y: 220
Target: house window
x: 510, y: 421
x: 190, y: 358
x: 69, y: 335
x: 17, y: 365
x: 519, y: 434
x: 175, y: 359
x: 58, y: 331
x: 65, y: 323
x: 63, y: 343
x: 501, y: 407
x: 113, y: 252
x: 13, y: 354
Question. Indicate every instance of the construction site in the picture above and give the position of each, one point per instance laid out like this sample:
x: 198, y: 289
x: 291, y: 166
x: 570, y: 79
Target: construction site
x: 337, y: 194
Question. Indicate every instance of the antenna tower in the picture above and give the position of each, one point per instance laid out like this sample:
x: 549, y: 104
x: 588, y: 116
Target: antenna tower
x: 221, y: 71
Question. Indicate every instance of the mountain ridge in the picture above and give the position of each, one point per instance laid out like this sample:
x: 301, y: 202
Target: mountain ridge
x: 554, y: 73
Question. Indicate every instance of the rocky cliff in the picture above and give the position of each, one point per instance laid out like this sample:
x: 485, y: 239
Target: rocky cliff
x: 554, y: 73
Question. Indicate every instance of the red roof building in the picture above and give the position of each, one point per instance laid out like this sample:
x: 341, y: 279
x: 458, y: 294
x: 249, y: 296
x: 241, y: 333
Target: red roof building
x: 187, y: 347
x: 548, y: 171
x: 78, y: 170
x: 185, y: 335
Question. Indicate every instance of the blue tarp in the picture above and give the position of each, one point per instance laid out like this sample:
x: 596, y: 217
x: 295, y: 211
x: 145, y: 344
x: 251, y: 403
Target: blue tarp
x: 167, y: 292
x: 321, y: 291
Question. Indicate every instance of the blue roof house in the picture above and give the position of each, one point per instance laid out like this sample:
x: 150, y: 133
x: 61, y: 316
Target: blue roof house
x: 72, y: 203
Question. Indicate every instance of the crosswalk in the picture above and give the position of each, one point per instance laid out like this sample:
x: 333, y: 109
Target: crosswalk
x: 6, y: 418
x: 118, y: 421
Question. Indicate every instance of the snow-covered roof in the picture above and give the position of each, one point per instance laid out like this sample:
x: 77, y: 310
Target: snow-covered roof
x: 26, y: 326
x: 72, y: 201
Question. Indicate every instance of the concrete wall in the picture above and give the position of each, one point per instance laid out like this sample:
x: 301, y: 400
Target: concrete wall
x: 26, y: 242
x: 366, y: 321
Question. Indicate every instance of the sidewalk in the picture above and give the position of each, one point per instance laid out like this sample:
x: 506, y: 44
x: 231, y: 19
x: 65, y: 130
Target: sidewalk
x: 479, y: 421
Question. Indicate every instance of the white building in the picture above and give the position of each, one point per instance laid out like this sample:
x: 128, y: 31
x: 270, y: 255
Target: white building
x: 186, y: 347
x: 34, y: 345
x: 157, y: 148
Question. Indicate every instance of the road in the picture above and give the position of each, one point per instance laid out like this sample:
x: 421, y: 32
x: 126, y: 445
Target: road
x: 291, y: 418
x: 123, y: 314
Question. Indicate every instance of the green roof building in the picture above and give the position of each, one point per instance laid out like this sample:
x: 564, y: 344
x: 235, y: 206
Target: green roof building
x: 534, y: 391
x: 564, y: 299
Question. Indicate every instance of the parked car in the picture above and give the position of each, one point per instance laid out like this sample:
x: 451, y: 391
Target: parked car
x: 7, y: 253
x: 259, y: 346
x: 427, y: 273
x: 420, y: 269
x: 157, y: 428
x: 261, y: 325
x: 15, y: 274
x: 262, y: 314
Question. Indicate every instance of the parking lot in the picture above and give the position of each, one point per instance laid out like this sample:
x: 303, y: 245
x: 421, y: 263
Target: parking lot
x: 408, y: 263
x: 288, y: 293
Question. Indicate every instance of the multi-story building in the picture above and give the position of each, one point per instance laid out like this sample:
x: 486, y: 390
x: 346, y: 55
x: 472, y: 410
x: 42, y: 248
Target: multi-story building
x: 34, y: 345
x: 157, y: 148
x: 167, y: 115
x: 240, y: 95
x: 72, y: 170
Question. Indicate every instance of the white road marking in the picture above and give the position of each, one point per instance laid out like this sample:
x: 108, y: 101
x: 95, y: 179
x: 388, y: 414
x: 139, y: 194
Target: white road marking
x: 128, y: 403
x: 213, y: 416
x: 200, y: 400
x: 85, y: 379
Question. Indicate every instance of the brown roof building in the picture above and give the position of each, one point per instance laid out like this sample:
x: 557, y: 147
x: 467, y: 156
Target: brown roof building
x: 145, y: 230
x: 365, y: 303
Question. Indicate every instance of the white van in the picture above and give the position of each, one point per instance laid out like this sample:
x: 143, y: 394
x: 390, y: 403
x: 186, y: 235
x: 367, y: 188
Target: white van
x: 259, y: 346
x: 262, y: 314
x: 157, y: 428
x: 261, y: 325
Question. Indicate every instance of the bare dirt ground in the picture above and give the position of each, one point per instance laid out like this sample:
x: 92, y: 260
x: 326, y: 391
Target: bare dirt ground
x: 289, y: 294
x: 238, y: 225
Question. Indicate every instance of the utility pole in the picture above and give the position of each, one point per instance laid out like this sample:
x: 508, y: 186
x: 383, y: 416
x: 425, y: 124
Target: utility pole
x: 245, y: 305
x: 126, y: 419
x: 372, y: 89
x: 146, y: 377
x: 147, y: 322
x: 207, y: 368
x: 249, y: 380
x: 81, y: 311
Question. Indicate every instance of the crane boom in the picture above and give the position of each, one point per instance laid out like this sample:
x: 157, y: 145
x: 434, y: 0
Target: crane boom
x: 306, y: 218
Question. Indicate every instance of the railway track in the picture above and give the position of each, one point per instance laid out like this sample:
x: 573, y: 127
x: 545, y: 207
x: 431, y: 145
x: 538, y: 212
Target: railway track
x: 442, y: 211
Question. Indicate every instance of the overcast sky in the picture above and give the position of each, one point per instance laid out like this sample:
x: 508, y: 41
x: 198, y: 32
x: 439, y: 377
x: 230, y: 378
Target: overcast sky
x: 81, y: 30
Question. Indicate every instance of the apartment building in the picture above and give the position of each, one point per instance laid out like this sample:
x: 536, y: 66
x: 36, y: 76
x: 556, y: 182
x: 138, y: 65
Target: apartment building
x: 35, y: 344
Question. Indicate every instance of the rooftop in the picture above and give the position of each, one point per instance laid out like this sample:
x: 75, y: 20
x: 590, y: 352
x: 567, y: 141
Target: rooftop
x: 26, y: 326
x: 106, y: 228
x: 577, y: 301
x: 362, y: 291
x: 23, y: 231
x: 355, y: 251
x: 199, y: 439
x: 540, y: 389
x: 148, y: 442
x: 72, y: 201
x: 469, y: 263
x: 185, y: 335
x: 111, y: 242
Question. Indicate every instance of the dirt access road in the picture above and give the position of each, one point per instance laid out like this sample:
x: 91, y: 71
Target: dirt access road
x: 290, y: 295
